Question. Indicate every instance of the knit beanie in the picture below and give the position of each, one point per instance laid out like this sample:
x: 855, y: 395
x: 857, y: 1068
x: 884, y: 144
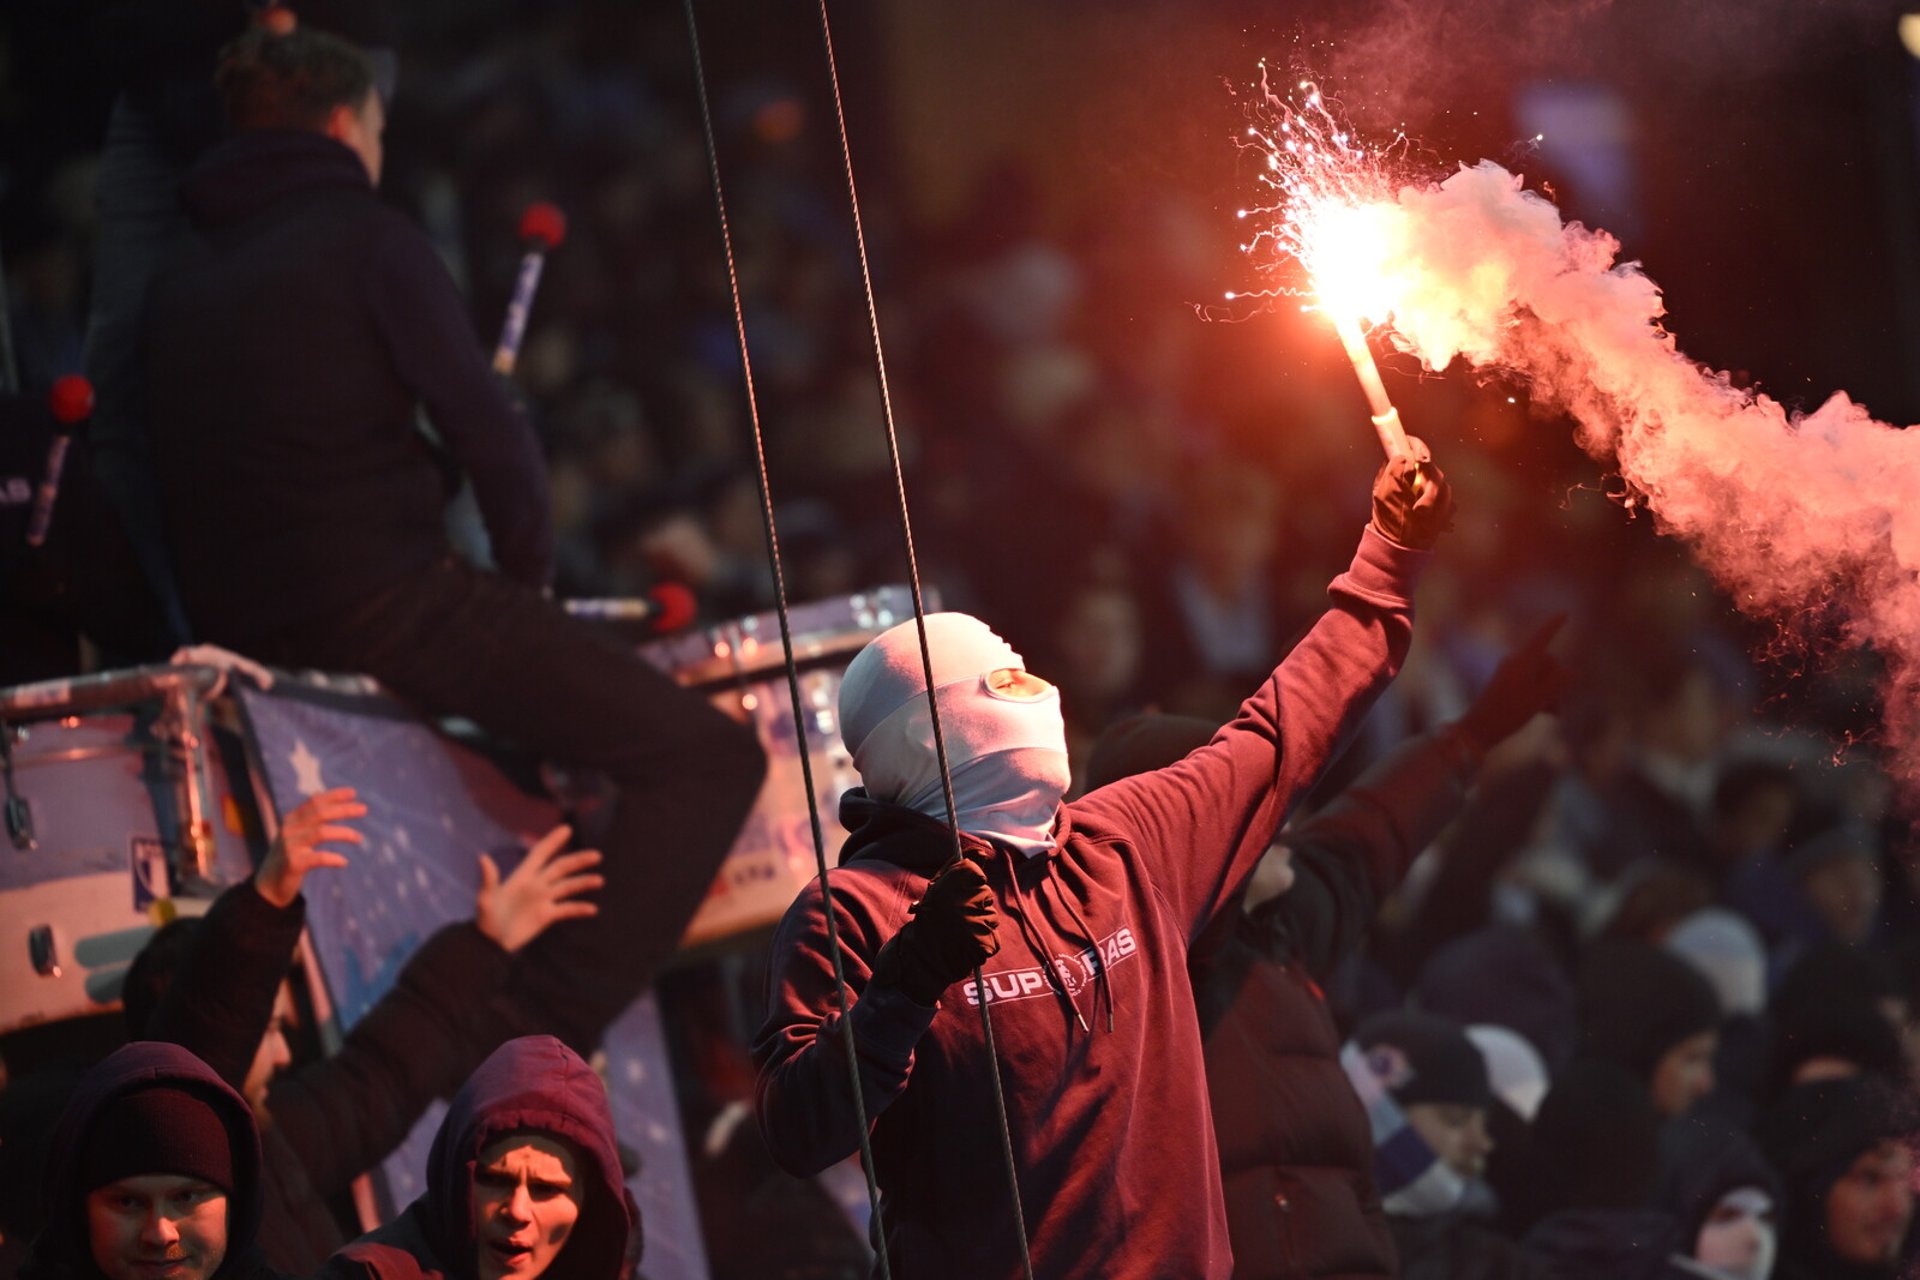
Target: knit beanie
x: 1421, y: 1057
x: 163, y: 1129
x: 1636, y: 1001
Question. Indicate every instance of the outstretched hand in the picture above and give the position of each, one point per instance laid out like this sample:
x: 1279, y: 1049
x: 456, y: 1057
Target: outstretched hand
x: 543, y: 889
x: 1528, y: 681
x: 296, y: 850
x: 1412, y: 501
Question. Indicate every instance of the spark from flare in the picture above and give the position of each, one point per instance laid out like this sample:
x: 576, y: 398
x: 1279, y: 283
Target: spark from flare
x: 1334, y: 217
x: 1806, y: 519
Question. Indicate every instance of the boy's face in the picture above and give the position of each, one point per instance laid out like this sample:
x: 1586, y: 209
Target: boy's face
x: 526, y: 1202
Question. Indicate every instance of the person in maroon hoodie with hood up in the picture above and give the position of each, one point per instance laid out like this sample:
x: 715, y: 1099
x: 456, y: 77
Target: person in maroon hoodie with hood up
x: 1081, y: 917
x: 523, y: 1182
x: 154, y: 1172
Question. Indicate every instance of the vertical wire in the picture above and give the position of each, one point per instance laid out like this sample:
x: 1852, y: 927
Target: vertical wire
x: 920, y: 623
x: 786, y: 644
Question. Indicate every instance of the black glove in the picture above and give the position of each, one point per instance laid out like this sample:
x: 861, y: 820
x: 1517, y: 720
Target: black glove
x: 1529, y: 680
x: 1412, y: 502
x: 952, y: 930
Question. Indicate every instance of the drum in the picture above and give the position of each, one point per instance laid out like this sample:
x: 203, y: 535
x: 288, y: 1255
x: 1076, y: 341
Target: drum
x: 741, y: 667
x: 120, y: 814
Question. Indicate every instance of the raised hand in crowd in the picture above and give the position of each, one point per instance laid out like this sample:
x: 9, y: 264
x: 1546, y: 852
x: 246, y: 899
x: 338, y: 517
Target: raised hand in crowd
x: 1528, y: 681
x: 298, y: 848
x: 542, y: 890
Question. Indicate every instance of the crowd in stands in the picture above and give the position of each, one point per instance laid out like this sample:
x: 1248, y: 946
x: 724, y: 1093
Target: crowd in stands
x: 1646, y: 1002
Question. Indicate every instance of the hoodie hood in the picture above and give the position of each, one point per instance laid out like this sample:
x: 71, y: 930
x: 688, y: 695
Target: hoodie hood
x: 62, y: 1247
x: 256, y: 170
x: 1702, y: 1158
x: 536, y: 1084
x: 533, y: 1083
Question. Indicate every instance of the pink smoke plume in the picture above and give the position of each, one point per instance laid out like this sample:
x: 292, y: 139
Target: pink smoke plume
x: 1799, y: 516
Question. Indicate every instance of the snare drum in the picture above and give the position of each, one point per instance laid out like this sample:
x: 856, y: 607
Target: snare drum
x: 119, y: 815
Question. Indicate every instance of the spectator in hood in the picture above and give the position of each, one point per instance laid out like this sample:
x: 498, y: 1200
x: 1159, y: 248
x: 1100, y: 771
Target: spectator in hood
x: 1726, y: 1197
x: 216, y: 984
x: 1845, y: 1151
x: 1839, y: 1011
x: 1593, y: 1156
x: 1649, y: 1011
x: 523, y: 1182
x: 155, y: 1172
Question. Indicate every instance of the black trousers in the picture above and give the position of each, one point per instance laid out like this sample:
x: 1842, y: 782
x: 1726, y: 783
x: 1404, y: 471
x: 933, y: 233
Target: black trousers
x: 455, y: 640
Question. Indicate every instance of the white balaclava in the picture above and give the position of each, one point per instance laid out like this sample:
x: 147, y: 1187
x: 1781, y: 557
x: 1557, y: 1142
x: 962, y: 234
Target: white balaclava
x: 1007, y: 755
x: 1737, y: 1240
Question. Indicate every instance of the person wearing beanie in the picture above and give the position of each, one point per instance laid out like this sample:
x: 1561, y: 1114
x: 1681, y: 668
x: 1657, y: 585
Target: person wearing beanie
x: 1651, y: 1012
x: 1426, y: 1091
x: 154, y: 1172
x: 523, y: 1182
x: 217, y: 985
x: 1845, y: 1151
x: 1296, y: 1153
x: 1080, y: 917
x: 1725, y: 1196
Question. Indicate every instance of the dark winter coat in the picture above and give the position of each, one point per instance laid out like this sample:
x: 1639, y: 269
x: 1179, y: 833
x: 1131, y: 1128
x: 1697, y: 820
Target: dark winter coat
x: 1456, y: 1247
x: 336, y: 1118
x: 289, y: 347
x: 1096, y: 1033
x: 532, y: 1084
x: 62, y: 1252
x: 1295, y: 1149
x: 1606, y: 1244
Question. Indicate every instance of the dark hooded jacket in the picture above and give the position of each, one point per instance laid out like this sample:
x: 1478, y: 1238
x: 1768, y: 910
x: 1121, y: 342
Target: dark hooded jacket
x: 62, y: 1252
x: 1702, y: 1158
x: 535, y: 1084
x: 1296, y: 1156
x: 1813, y: 1135
x: 1095, y: 1029
x: 289, y: 347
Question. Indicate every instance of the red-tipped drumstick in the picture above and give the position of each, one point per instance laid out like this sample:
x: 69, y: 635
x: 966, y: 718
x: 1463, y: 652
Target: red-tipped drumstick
x: 71, y: 402
x: 542, y: 228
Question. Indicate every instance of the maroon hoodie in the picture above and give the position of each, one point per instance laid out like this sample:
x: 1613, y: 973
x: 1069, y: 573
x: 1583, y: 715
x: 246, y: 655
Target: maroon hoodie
x: 1096, y: 1035
x: 533, y: 1084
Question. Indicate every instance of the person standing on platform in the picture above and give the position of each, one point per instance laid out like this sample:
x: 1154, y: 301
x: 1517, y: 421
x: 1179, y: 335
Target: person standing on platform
x: 289, y: 343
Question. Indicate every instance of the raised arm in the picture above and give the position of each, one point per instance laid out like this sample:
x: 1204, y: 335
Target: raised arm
x: 1203, y: 823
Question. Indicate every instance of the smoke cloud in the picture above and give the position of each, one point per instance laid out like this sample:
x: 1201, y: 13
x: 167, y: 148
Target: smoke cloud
x: 1801, y: 517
